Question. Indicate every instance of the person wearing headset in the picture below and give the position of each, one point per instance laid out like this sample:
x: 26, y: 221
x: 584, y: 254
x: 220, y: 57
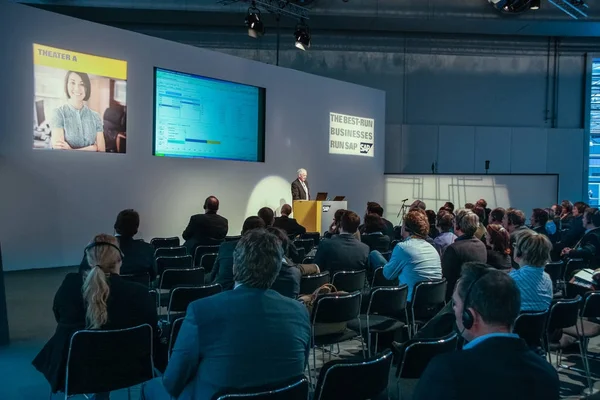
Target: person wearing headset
x: 495, y: 363
x: 589, y: 246
x: 532, y: 253
x: 97, y: 298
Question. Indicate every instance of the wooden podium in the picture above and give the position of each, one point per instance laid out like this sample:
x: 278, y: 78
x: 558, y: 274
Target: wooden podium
x: 315, y: 215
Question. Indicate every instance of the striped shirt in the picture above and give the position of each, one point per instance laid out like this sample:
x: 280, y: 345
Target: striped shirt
x: 535, y: 286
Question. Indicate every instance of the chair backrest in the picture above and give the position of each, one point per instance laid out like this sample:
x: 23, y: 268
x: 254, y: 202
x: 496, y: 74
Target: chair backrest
x: 292, y: 389
x: 307, y: 244
x: 165, y: 242
x: 591, y: 305
x: 232, y: 238
x: 170, y: 252
x: 181, y: 297
x: 208, y: 261
x: 417, y: 353
x: 389, y: 302
x: 387, y: 255
x: 563, y: 313
x: 314, y: 236
x: 175, y: 328
x: 308, y: 260
x: 202, y: 250
x: 574, y: 264
x: 531, y: 326
x: 301, y: 253
x: 310, y: 283
x: 428, y: 298
x: 142, y: 279
x: 181, y: 262
x: 154, y: 296
x: 172, y: 278
x: 354, y: 378
x: 349, y: 281
x: 393, y: 244
x: 336, y: 307
x: 380, y: 280
x: 555, y: 270
x: 106, y: 360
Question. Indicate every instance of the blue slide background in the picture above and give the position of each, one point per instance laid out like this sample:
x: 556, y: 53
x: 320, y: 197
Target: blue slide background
x: 203, y: 117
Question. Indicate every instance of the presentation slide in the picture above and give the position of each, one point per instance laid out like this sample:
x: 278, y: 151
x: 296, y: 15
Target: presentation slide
x: 79, y: 101
x: 200, y: 117
x: 351, y: 135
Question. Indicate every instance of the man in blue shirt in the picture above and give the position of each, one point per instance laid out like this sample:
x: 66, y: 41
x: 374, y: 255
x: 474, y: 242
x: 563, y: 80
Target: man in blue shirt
x: 495, y: 363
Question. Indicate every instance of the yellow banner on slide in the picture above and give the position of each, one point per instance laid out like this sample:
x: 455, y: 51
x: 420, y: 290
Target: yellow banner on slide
x: 80, y: 62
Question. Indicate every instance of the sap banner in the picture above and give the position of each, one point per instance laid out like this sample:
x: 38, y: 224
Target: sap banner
x: 351, y: 135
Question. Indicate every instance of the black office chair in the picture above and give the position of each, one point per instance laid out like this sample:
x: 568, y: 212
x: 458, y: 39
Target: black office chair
x: 556, y: 272
x: 349, y: 281
x: 202, y: 250
x: 165, y: 242
x: 380, y: 280
x: 354, y: 379
x: 107, y: 360
x: 181, y: 262
x: 308, y: 260
x: 299, y: 256
x: 386, y: 312
x: 170, y: 252
x: 310, y: 283
x: 428, y: 298
x: 292, y: 389
x: 393, y: 244
x: 414, y: 356
x: 573, y: 264
x: 175, y: 328
x: 564, y: 313
x: 142, y: 279
x: 208, y: 261
x: 172, y: 278
x: 531, y: 327
x: 306, y: 244
x: 315, y: 236
x: 181, y: 297
x: 232, y: 238
x: 387, y: 255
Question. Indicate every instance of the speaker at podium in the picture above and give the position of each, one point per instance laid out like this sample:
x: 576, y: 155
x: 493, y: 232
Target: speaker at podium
x: 316, y: 215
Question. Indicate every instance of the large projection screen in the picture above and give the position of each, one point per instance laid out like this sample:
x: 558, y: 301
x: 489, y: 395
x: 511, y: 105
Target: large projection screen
x: 524, y: 192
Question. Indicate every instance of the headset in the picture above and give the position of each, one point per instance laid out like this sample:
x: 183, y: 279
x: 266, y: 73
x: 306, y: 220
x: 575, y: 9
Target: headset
x: 467, y: 316
x: 96, y: 244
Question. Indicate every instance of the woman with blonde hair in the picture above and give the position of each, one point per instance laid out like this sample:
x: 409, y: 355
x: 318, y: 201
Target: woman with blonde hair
x: 97, y: 298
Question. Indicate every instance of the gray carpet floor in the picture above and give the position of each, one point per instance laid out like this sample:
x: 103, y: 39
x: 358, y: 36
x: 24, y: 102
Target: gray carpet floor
x: 31, y: 322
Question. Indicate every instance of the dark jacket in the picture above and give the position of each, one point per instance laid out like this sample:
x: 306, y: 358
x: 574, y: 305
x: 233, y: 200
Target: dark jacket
x: 298, y: 192
x: 464, y: 249
x: 498, y: 368
x: 129, y: 304
x: 376, y: 241
x: 222, y: 272
x: 242, y: 337
x: 138, y: 257
x: 204, y: 229
x: 342, y: 252
x: 575, y: 232
x: 498, y: 260
x: 589, y: 248
x: 288, y: 281
x: 388, y: 229
x: 289, y: 225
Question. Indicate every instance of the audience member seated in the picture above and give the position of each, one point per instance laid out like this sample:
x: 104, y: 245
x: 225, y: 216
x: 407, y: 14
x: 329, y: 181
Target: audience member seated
x: 205, y: 229
x: 267, y: 215
x: 498, y: 247
x: 483, y: 204
x: 532, y: 253
x: 480, y: 232
x: 289, y: 225
x: 334, y: 228
x: 589, y: 246
x: 469, y: 206
x: 414, y: 259
x: 465, y: 248
x: 497, y: 216
x: 250, y: 336
x: 576, y: 227
x: 343, y: 251
x: 431, y: 217
x: 287, y: 282
x: 98, y: 298
x: 538, y: 220
x: 445, y: 223
x: 557, y: 209
x: 450, y: 206
x: 495, y: 364
x: 373, y: 234
x: 552, y: 226
x: 514, y: 223
x: 418, y: 204
x: 566, y: 214
x: 222, y: 272
x: 375, y: 208
x: 138, y: 255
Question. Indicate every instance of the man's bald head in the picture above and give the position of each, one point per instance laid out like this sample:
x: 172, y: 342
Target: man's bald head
x: 211, y: 204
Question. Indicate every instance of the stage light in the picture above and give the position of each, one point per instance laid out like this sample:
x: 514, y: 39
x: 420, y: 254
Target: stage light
x: 535, y: 4
x: 255, y: 26
x: 302, y: 35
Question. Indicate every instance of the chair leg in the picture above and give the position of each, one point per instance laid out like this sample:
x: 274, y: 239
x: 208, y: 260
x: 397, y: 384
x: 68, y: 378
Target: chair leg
x: 369, y: 343
x: 376, y: 344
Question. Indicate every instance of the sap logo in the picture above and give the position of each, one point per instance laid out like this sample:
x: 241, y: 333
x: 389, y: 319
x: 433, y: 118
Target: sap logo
x: 365, y: 147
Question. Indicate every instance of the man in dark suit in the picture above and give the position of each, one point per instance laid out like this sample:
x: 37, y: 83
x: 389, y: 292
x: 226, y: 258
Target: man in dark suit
x: 375, y: 208
x: 205, y: 229
x: 589, y: 246
x: 300, y: 186
x: 343, y: 251
x: 288, y: 280
x: 576, y: 227
x: 138, y: 255
x: 249, y: 336
x: 222, y: 272
x: 465, y: 248
x: 495, y: 363
x: 289, y: 225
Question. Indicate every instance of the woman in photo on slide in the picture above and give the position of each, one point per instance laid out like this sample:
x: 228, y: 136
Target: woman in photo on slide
x: 74, y: 125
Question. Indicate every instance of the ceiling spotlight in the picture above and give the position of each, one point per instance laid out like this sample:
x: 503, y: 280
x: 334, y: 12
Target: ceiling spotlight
x: 302, y: 35
x: 535, y: 4
x: 255, y: 26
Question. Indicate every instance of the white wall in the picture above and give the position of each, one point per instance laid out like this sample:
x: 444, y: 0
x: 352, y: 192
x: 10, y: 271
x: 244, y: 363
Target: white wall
x: 52, y: 203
